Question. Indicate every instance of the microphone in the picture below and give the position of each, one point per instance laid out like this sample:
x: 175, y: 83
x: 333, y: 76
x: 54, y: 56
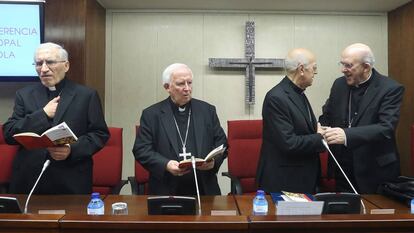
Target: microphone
x: 343, y: 173
x: 193, y: 163
x: 45, y: 165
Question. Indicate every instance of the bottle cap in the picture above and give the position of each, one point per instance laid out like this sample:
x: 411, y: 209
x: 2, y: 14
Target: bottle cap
x: 95, y: 195
x: 260, y: 192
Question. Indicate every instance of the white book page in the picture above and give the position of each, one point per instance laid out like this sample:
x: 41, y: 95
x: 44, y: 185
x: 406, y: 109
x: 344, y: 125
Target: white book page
x: 59, y: 131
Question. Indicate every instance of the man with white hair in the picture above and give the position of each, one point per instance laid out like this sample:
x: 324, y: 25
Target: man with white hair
x: 43, y: 105
x: 363, y: 110
x: 289, y: 159
x: 173, y: 130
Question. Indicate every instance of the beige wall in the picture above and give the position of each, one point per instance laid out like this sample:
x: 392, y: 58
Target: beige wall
x: 141, y: 44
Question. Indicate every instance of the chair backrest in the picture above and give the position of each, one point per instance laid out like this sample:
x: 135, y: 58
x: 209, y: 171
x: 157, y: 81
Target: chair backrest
x: 244, y: 140
x: 107, y: 164
x: 7, y: 153
x: 141, y: 174
x: 326, y: 183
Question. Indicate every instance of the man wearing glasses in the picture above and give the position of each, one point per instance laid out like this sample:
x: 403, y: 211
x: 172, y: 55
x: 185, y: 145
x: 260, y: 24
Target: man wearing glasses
x: 362, y: 113
x: 43, y: 105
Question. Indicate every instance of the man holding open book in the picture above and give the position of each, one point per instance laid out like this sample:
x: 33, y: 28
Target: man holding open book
x: 175, y: 129
x: 44, y: 105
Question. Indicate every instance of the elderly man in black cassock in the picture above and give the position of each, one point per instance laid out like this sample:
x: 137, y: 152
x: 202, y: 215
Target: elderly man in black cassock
x: 173, y: 130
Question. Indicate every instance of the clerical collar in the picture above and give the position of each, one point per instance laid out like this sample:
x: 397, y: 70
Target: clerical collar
x: 180, y: 109
x: 58, y: 88
x: 364, y: 83
x: 296, y: 88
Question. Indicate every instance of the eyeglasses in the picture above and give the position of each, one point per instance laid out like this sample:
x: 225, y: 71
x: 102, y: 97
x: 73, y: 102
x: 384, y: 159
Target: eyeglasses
x: 347, y: 66
x: 49, y: 63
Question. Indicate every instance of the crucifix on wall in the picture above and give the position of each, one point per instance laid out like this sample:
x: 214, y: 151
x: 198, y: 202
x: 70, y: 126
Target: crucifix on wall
x: 249, y: 63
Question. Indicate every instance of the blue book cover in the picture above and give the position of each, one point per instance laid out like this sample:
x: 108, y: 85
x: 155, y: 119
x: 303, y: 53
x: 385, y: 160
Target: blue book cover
x: 277, y: 196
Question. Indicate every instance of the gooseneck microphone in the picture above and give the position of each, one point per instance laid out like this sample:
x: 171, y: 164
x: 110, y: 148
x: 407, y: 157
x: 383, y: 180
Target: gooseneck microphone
x: 193, y: 163
x: 343, y: 173
x: 45, y: 165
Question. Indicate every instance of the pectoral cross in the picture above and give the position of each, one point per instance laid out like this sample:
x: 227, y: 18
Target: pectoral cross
x: 184, y: 154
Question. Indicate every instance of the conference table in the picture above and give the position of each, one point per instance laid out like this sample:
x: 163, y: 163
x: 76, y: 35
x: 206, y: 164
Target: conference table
x: 67, y: 213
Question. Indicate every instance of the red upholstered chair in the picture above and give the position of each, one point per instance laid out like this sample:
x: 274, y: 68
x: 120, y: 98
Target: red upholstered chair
x: 139, y: 182
x: 107, y: 165
x: 7, y: 153
x: 244, y: 140
x: 326, y: 183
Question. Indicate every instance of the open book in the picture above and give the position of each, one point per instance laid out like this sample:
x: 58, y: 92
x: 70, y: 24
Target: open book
x: 199, y: 161
x: 56, y: 136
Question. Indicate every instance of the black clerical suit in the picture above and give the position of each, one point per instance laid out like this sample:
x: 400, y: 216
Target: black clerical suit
x: 80, y: 108
x: 370, y: 156
x: 157, y: 143
x: 289, y: 159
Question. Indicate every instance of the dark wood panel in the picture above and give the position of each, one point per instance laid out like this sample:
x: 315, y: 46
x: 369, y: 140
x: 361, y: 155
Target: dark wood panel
x: 79, y: 25
x: 65, y: 25
x: 386, y: 203
x: 245, y: 205
x: 333, y: 223
x: 29, y: 223
x: 137, y: 204
x: 95, y: 47
x: 76, y: 220
x: 138, y: 220
x: 400, y: 57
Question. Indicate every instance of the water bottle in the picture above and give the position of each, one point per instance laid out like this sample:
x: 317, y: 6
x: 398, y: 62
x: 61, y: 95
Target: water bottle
x: 412, y: 206
x: 96, y: 205
x: 260, y: 206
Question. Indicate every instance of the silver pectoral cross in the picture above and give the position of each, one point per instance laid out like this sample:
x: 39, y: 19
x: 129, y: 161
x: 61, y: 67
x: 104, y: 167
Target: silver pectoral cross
x: 184, y: 154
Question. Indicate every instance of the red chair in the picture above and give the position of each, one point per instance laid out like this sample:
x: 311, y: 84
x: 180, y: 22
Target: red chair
x: 107, y: 165
x: 326, y: 183
x: 7, y: 153
x: 244, y: 139
x: 139, y: 182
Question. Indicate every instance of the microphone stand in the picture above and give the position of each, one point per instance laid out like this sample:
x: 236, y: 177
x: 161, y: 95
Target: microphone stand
x: 45, y: 165
x: 346, y: 177
x: 193, y: 163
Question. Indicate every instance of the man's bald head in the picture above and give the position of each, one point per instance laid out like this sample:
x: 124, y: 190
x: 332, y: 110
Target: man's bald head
x: 297, y: 57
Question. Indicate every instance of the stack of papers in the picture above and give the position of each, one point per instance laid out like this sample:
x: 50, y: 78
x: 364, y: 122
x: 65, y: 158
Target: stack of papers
x: 288, y: 203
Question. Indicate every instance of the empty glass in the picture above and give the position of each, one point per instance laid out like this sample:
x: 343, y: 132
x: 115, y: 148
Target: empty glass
x: 120, y: 208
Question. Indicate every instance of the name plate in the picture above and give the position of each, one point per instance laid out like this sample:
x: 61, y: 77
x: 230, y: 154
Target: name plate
x: 299, y: 208
x: 383, y: 211
x: 52, y: 212
x: 223, y: 213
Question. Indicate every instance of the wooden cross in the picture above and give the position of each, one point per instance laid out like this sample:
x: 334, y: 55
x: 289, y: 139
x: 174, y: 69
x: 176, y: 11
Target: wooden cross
x: 250, y: 63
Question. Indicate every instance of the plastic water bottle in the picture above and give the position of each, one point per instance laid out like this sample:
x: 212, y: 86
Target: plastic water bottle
x: 412, y: 206
x: 96, y: 205
x: 260, y: 205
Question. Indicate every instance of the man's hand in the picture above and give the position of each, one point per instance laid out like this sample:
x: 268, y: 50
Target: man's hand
x: 59, y: 152
x: 335, y: 136
x: 206, y: 166
x: 172, y: 167
x: 50, y: 108
x: 321, y: 129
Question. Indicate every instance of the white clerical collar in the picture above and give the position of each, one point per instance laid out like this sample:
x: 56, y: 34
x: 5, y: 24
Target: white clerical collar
x: 181, y: 109
x: 369, y: 76
x: 52, y: 88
